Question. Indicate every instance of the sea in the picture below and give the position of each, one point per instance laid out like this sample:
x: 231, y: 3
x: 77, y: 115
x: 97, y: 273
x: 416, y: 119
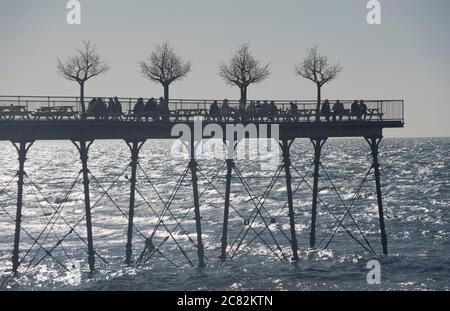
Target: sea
x: 415, y: 176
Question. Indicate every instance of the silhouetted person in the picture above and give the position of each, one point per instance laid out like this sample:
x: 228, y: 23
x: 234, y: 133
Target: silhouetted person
x: 151, y: 108
x: 362, y: 109
x: 225, y: 109
x: 258, y: 105
x: 100, y: 108
x: 163, y: 108
x: 139, y: 108
x: 250, y: 110
x: 110, y: 110
x: 293, y: 109
x: 326, y: 110
x: 355, y: 111
x: 273, y: 110
x: 117, y: 106
x: 265, y: 108
x: 91, y: 106
x: 214, y: 110
x: 242, y: 105
x: 338, y: 110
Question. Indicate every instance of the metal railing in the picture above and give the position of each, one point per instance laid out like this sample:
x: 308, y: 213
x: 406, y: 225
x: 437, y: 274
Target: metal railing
x: 390, y: 110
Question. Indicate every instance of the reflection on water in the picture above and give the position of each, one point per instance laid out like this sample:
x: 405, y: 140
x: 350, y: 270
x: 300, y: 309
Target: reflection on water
x: 416, y: 185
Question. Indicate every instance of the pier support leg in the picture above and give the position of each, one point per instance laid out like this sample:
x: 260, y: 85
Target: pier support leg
x: 193, y: 167
x: 374, y: 143
x: 285, y: 146
x: 83, y: 148
x: 22, y: 149
x: 230, y: 165
x: 135, y: 147
x: 318, y: 144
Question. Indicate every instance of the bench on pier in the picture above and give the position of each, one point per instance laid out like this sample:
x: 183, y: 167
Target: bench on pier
x: 145, y: 115
x: 374, y: 113
x: 11, y: 112
x: 187, y: 114
x: 55, y: 113
x: 299, y: 115
x: 105, y: 116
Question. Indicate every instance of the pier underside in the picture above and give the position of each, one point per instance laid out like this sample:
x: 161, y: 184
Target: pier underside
x: 94, y: 130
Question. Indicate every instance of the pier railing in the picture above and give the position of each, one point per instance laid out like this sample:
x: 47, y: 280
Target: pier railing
x: 386, y: 110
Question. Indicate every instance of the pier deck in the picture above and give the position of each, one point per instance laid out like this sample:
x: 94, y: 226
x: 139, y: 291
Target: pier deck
x: 23, y: 119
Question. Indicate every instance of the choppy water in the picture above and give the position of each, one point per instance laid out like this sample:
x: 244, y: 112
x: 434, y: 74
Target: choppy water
x: 416, y: 185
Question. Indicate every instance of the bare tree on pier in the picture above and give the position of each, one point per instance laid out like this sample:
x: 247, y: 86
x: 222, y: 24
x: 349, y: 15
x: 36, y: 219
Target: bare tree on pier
x: 315, y: 67
x: 243, y: 69
x: 82, y: 67
x: 164, y: 67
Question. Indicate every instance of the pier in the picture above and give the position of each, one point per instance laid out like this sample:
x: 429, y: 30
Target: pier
x: 27, y: 119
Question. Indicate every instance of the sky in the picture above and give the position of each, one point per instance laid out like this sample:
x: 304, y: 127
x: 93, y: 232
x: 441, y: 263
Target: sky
x: 406, y: 57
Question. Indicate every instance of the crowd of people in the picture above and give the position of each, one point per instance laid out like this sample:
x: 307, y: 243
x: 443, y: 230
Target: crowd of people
x: 159, y: 109
x: 358, y: 109
x: 113, y: 109
x: 270, y: 110
x: 151, y: 109
x: 98, y: 108
x: 254, y: 108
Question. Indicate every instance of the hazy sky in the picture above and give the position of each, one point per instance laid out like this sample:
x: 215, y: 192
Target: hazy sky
x: 406, y: 57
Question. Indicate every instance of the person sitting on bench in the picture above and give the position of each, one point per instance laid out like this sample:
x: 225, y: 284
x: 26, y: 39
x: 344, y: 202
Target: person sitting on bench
x: 150, y: 109
x: 355, y: 111
x: 139, y: 108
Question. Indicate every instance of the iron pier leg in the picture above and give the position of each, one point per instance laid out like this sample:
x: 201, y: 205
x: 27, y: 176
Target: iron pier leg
x: 374, y: 142
x: 193, y: 167
x: 22, y: 150
x: 230, y: 165
x: 135, y: 147
x: 287, y: 164
x: 83, y: 148
x: 318, y: 144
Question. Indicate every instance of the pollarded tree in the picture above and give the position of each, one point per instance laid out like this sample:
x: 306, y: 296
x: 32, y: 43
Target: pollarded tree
x: 243, y: 69
x: 164, y: 67
x: 315, y: 67
x: 82, y: 67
